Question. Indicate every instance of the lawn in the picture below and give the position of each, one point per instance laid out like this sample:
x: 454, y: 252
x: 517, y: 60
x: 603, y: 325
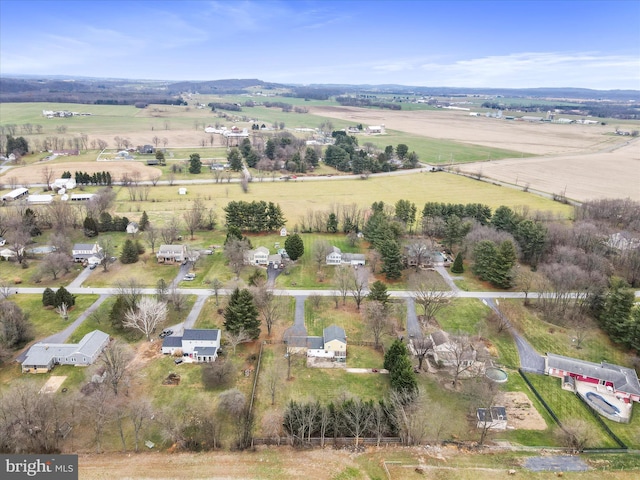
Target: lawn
x: 147, y: 271
x: 567, y: 406
x: 546, y: 337
x: 463, y: 315
x: 46, y: 321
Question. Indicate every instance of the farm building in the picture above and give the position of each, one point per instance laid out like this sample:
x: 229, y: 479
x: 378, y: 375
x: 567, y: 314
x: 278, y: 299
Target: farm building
x: 40, y: 199
x: 16, y: 194
x: 199, y: 344
x: 66, y: 183
x: 172, y: 253
x: 182, y: 191
x: 375, y: 130
x: 81, y: 197
x: 42, y: 357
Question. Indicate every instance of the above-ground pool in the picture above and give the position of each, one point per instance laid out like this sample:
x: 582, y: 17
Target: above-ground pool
x: 496, y: 374
x: 44, y: 249
x: 602, y: 403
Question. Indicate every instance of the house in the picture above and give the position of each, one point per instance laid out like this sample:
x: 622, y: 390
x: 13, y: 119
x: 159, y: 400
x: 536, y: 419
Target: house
x: 146, y: 149
x: 66, y: 183
x: 336, y: 257
x: 87, y: 252
x: 7, y: 253
x: 133, y: 227
x: 257, y: 256
x: 604, y: 378
x: 42, y: 357
x: 172, y: 253
x: 622, y: 241
x: 16, y: 194
x: 375, y: 130
x: 332, y: 344
x: 124, y: 155
x: 201, y: 345
x: 450, y: 353
x: 494, y: 418
x: 283, y: 232
x: 220, y: 167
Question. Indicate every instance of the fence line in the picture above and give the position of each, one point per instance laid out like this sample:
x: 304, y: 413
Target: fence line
x: 255, y: 379
x: 604, y: 426
x: 539, y: 397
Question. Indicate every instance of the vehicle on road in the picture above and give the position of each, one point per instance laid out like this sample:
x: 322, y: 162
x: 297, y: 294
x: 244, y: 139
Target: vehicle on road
x: 189, y: 276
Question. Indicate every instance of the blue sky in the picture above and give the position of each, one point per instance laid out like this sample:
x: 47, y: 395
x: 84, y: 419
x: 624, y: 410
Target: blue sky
x: 428, y: 43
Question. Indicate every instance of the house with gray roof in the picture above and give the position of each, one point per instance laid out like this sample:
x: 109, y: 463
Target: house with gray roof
x: 201, y: 345
x: 331, y: 345
x: 615, y: 379
x: 42, y: 356
x: 172, y: 253
x: 336, y: 257
x: 87, y: 252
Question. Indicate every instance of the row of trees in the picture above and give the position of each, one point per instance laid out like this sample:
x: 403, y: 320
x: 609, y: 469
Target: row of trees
x: 255, y: 216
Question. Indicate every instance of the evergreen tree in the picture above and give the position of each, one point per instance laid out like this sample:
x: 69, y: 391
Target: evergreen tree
x: 233, y: 232
x: 63, y: 296
x: 484, y: 255
x: 48, y: 298
x: 616, y: 312
x: 532, y: 238
x: 392, y: 259
x: 118, y: 311
x: 144, y: 221
x: 396, y: 350
x: 241, y: 313
x: 129, y: 252
x: 332, y: 223
x: 245, y: 148
x: 402, y: 377
x: 294, y: 247
x: 504, y: 219
x: 160, y: 157
x: 235, y: 159
x: 379, y: 293
x: 311, y: 157
x: 90, y: 227
x: 458, y: 266
x: 504, y: 263
x: 195, y: 164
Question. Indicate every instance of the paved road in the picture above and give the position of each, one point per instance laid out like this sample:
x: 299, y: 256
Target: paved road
x: 413, y: 326
x: 530, y: 359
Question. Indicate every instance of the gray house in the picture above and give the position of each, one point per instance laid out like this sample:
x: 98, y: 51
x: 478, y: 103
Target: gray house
x: 42, y: 357
x: 199, y: 344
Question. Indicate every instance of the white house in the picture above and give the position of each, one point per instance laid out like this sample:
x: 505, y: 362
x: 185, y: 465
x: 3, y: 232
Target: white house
x: 66, y: 183
x: 86, y: 251
x: 133, y: 227
x: 283, y: 232
x: 258, y: 256
x: 199, y: 344
x: 42, y: 357
x: 375, y: 130
x: 336, y: 257
x: 172, y: 253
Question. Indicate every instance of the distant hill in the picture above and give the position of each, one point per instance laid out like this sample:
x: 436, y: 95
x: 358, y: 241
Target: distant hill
x: 125, y: 91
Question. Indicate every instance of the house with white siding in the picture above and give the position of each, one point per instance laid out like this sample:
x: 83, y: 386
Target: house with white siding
x: 201, y: 345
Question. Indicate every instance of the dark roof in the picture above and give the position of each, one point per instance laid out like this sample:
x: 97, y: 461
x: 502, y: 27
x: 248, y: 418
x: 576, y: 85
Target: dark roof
x: 314, y: 343
x: 492, y: 414
x: 201, y: 334
x: 334, y: 332
x: 84, y: 246
x: 205, y: 350
x: 439, y: 337
x: 624, y: 379
x: 172, y: 342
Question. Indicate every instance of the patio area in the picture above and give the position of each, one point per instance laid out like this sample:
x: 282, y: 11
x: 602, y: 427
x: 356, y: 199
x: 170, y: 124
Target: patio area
x: 605, y: 402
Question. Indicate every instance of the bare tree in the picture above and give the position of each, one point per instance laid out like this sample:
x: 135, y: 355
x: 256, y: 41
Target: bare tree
x: 152, y: 235
x: 107, y: 252
x: 140, y: 413
x: 5, y: 290
x: 235, y: 339
x: 426, y: 293
x: 18, y: 237
x: 47, y: 176
x: 342, y: 280
x: 131, y: 291
x: 576, y: 434
x: 177, y: 299
x: 272, y: 422
x: 524, y: 282
x: 216, y: 285
x: 321, y: 249
x: 356, y: 416
x: 149, y: 314
x: 194, y: 217
x: 376, y: 320
x: 419, y: 252
x: 421, y: 346
x: 358, y: 285
x: 115, y: 359
x: 56, y: 262
x: 461, y: 356
x: 97, y: 409
x: 273, y: 380
x: 269, y: 305
x: 235, y: 251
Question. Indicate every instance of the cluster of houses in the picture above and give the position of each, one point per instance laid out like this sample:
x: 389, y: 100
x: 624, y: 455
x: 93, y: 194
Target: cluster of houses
x: 63, y: 114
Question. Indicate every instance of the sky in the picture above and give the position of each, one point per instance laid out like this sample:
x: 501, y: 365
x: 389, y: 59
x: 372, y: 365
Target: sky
x: 472, y: 44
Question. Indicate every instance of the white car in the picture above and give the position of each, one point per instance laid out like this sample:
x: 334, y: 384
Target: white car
x: 190, y: 276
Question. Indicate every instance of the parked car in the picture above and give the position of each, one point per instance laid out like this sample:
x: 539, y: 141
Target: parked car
x: 190, y: 276
x: 165, y: 333
x: 93, y: 266
x: 178, y: 361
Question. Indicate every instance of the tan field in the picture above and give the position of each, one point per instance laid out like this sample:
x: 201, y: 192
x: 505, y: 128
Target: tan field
x: 585, y: 161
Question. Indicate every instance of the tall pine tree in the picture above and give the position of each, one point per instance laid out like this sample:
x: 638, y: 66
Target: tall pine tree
x: 241, y: 313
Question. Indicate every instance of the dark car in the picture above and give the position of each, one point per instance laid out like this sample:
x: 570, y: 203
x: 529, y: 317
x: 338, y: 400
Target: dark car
x: 165, y: 333
x: 178, y: 361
